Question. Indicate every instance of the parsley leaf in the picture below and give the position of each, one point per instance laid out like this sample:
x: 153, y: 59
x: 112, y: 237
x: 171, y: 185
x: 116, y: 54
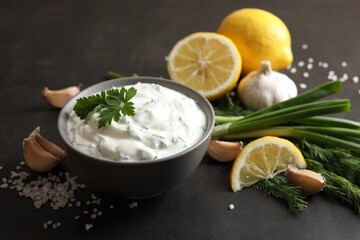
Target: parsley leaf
x: 110, y: 104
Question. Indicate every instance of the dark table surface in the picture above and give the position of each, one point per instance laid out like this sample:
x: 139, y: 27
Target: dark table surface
x: 58, y: 43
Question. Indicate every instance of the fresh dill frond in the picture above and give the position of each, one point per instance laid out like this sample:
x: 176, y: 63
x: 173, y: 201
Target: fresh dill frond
x: 336, y: 160
x: 228, y: 106
x: 279, y: 187
x: 337, y: 186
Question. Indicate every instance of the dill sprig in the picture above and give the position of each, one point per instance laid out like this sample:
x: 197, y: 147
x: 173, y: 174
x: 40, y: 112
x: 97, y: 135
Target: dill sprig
x: 279, y: 187
x: 337, y: 186
x: 336, y: 160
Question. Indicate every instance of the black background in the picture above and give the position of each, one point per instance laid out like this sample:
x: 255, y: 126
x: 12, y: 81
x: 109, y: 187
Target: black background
x: 58, y: 43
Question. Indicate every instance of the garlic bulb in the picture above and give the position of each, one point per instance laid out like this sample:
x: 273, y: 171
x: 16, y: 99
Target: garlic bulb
x: 264, y: 88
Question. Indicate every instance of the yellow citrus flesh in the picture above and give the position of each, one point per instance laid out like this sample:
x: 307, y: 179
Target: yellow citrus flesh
x: 260, y: 36
x: 262, y: 159
x: 207, y: 62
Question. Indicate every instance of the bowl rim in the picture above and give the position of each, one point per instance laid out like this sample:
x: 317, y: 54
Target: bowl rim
x: 205, y: 106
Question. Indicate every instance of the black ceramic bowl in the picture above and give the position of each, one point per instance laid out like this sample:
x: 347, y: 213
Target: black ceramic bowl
x: 138, y: 179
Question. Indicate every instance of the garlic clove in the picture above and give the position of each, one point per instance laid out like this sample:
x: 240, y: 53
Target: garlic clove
x: 58, y: 98
x: 42, y: 155
x: 309, y: 181
x: 224, y: 151
x: 48, y: 145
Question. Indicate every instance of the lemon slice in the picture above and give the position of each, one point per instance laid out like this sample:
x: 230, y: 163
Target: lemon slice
x: 207, y: 62
x: 262, y: 159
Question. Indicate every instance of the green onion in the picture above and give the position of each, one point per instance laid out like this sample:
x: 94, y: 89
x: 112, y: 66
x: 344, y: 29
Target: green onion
x: 300, y: 134
x: 280, y: 116
x: 329, y: 122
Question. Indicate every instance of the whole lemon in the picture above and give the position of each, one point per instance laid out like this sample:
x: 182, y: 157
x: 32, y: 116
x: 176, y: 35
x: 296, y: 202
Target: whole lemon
x: 260, y: 36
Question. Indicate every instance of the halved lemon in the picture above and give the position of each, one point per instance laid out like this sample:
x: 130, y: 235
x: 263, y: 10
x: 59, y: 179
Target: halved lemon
x: 207, y: 62
x: 262, y: 159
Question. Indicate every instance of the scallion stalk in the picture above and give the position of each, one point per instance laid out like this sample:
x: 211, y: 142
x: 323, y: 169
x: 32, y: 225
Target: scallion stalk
x: 297, y: 133
x: 325, y: 121
x: 280, y: 116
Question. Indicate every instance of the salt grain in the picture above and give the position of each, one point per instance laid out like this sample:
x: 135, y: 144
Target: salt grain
x: 301, y: 63
x: 305, y: 74
x: 133, y: 204
x: 231, y: 206
x: 310, y: 60
x: 293, y: 70
x: 344, y: 64
x: 305, y: 46
x: 88, y: 226
x: 355, y: 79
x: 303, y: 86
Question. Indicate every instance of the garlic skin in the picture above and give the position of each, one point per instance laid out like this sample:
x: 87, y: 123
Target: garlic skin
x: 58, y: 98
x: 309, y: 181
x: 224, y: 151
x: 265, y: 87
x: 40, y: 154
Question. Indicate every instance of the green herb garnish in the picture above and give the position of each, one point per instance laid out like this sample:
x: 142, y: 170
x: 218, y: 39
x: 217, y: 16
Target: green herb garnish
x: 279, y: 187
x: 110, y: 105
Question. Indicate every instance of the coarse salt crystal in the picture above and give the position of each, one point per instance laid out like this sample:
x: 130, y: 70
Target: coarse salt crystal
x: 309, y: 66
x: 303, y: 85
x: 293, y: 70
x: 231, y: 206
x: 88, y: 226
x: 305, y: 74
x: 344, y: 64
x: 310, y: 60
x: 304, y: 46
x: 301, y: 63
x: 133, y: 204
x: 355, y: 79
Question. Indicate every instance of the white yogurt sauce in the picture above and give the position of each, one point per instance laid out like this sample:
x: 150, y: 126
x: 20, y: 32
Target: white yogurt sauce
x: 166, y: 122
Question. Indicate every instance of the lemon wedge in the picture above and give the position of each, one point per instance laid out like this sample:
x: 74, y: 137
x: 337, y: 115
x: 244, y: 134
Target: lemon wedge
x: 262, y: 159
x: 207, y: 62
